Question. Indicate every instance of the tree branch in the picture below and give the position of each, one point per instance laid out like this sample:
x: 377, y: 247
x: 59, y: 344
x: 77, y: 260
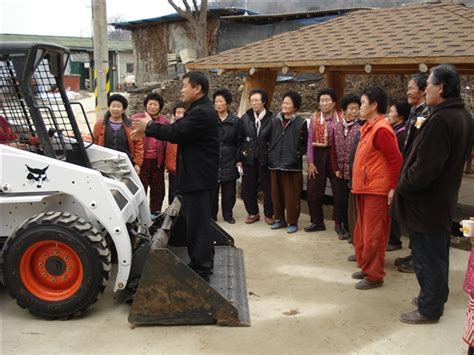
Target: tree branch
x: 186, y: 5
x: 196, y: 8
x: 182, y: 13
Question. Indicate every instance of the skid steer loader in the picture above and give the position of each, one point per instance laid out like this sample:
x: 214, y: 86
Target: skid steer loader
x: 65, y: 204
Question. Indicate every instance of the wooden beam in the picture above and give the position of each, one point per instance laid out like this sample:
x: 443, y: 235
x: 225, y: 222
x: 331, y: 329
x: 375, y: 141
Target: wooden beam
x: 261, y: 79
x: 336, y: 80
x: 215, y: 62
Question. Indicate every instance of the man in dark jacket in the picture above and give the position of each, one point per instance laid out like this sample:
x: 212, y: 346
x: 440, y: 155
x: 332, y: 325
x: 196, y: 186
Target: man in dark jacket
x: 197, y: 165
x: 416, y: 118
x: 255, y: 128
x: 427, y: 191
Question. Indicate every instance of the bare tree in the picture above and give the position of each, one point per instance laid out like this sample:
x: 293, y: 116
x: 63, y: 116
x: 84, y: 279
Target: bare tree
x: 198, y: 20
x: 114, y: 33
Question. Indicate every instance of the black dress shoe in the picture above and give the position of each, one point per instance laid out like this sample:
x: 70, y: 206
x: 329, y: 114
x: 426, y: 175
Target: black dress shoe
x: 205, y: 276
x: 414, y: 302
x: 407, y: 267
x: 230, y: 221
x: 351, y: 258
x: 313, y: 227
x: 402, y: 260
x: 415, y: 317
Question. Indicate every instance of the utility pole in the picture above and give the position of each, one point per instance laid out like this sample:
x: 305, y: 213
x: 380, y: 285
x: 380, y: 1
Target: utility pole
x: 101, y: 57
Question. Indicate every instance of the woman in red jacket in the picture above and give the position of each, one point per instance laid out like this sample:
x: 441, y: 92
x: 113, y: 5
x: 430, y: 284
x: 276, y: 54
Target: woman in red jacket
x: 375, y: 173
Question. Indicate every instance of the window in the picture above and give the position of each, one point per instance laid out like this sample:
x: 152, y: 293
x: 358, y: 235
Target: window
x: 129, y: 67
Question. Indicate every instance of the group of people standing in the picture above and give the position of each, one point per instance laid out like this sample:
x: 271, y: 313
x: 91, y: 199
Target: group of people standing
x: 404, y: 170
x: 149, y: 156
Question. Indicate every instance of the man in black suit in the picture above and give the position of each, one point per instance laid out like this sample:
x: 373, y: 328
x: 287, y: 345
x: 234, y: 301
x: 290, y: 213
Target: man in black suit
x: 197, y: 165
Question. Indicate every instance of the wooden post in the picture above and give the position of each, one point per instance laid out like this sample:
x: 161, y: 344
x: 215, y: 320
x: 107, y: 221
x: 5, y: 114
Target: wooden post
x: 336, y: 80
x: 264, y: 79
x: 101, y: 57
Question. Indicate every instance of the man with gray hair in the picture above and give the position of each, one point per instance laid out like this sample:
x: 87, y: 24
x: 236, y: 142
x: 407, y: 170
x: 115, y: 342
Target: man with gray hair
x: 427, y: 191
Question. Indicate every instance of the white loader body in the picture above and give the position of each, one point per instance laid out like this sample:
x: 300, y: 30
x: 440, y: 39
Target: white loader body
x: 108, y: 197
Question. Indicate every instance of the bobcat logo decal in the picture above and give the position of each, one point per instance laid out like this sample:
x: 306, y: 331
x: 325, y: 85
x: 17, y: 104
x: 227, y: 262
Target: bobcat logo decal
x: 37, y: 176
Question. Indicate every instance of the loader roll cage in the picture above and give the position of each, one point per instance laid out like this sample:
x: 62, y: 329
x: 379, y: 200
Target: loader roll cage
x: 34, y: 102
x: 61, y: 236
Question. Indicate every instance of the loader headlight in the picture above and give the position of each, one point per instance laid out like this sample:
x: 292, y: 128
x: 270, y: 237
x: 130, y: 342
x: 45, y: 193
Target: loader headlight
x: 119, y: 198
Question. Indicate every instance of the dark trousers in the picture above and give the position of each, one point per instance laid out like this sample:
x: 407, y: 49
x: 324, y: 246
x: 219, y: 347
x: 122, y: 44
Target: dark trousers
x: 153, y: 176
x: 253, y: 176
x: 395, y: 234
x: 171, y: 187
x: 196, y: 212
x: 317, y: 186
x: 430, y: 252
x: 343, y: 203
x: 228, y: 191
x: 286, y: 192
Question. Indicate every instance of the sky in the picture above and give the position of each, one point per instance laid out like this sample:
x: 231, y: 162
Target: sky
x: 71, y: 17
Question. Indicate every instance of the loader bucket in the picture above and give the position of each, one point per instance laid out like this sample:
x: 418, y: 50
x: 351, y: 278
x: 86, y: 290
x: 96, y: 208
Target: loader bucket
x: 169, y: 292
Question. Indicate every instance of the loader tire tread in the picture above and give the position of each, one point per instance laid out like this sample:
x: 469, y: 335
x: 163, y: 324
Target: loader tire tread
x: 86, y: 231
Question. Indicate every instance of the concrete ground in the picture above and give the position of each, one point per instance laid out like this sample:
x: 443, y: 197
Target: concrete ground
x: 302, y: 301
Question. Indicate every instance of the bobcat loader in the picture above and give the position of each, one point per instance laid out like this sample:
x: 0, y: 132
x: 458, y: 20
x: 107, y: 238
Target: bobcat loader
x: 67, y: 204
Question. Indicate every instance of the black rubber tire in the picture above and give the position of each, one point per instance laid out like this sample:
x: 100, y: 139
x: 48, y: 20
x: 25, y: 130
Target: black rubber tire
x: 79, y: 235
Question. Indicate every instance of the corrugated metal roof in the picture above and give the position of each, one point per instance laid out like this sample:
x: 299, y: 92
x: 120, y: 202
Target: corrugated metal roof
x: 388, y: 36
x: 77, y: 43
x: 224, y: 11
x: 271, y: 18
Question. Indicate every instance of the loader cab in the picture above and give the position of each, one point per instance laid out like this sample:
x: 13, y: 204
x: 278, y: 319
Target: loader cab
x: 35, y: 104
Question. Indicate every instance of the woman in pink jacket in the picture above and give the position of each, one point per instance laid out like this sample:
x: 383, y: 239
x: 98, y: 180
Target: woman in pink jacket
x: 153, y: 168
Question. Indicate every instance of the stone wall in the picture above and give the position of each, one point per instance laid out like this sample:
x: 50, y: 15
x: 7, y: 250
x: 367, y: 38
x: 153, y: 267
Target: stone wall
x: 394, y: 84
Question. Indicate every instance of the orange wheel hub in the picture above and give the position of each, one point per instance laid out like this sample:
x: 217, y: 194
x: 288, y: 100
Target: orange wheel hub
x: 51, y: 270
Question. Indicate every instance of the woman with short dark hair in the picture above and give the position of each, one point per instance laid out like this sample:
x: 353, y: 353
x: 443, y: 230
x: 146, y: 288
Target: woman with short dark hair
x: 229, y: 129
x: 375, y: 173
x: 115, y: 130
x: 341, y: 141
x: 255, y: 130
x: 287, y: 146
x: 152, y: 174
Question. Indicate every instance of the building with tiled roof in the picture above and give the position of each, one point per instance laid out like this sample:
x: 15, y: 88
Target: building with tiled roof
x: 399, y: 40
x: 159, y: 42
